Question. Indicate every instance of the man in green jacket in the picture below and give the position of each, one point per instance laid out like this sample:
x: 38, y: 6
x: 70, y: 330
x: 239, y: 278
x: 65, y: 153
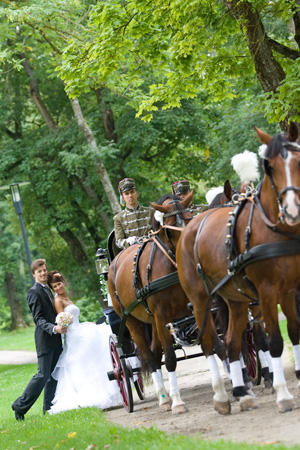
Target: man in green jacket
x: 134, y: 221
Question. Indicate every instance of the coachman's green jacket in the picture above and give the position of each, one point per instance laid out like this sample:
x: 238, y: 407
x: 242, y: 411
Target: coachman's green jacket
x: 132, y: 223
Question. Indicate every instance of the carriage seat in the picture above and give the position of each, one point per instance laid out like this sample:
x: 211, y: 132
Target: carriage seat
x: 112, y: 248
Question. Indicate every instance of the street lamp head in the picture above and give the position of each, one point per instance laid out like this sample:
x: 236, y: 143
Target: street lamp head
x: 16, y: 198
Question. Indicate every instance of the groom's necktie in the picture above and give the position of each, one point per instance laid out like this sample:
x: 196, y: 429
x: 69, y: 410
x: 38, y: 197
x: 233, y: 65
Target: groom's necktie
x: 47, y: 289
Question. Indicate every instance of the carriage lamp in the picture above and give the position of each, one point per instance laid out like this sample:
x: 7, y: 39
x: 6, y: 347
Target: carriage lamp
x: 101, y: 261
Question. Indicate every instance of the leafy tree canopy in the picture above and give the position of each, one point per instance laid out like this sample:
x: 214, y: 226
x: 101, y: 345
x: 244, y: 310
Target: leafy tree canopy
x: 188, y: 47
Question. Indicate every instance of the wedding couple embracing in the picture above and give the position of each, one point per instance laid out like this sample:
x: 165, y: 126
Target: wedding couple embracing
x: 74, y: 375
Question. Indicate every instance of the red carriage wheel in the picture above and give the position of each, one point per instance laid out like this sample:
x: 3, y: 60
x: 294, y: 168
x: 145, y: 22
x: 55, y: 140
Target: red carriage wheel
x: 139, y: 386
x: 121, y: 374
x: 251, y: 359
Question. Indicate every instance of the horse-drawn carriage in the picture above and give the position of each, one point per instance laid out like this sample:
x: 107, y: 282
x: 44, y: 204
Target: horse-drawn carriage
x: 183, y: 331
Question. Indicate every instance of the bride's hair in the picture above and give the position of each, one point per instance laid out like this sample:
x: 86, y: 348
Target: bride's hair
x: 54, y: 277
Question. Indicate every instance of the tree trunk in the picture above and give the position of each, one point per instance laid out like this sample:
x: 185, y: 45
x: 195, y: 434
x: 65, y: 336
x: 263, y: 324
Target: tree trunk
x: 107, y: 118
x: 35, y: 94
x: 92, y: 194
x: 17, y: 319
x: 269, y: 72
x: 104, y: 177
x: 75, y: 246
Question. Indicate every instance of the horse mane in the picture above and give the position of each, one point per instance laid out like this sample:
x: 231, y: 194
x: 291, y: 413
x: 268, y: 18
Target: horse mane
x: 155, y: 224
x: 275, y: 145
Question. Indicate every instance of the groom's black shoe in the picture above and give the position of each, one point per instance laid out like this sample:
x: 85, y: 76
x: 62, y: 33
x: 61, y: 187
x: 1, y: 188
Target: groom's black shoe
x: 18, y: 415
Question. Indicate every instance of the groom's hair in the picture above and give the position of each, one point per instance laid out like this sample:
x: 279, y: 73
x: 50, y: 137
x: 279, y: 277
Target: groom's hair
x: 36, y: 264
x: 55, y: 276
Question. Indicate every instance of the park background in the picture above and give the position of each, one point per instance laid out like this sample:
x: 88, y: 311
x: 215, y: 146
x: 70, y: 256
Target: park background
x: 91, y: 92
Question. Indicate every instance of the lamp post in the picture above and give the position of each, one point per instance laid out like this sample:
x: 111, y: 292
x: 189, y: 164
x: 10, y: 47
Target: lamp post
x: 16, y: 198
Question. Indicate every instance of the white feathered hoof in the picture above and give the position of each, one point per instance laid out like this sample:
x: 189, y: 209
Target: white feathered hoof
x: 178, y: 406
x: 223, y: 408
x: 179, y: 409
x: 247, y: 403
x: 163, y: 400
x: 285, y: 405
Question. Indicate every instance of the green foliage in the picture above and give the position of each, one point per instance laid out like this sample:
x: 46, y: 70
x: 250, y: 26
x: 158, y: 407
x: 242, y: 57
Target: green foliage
x: 5, y: 315
x: 90, y: 309
x: 185, y: 48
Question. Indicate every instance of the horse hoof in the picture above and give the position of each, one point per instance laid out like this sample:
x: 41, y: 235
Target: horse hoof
x: 268, y: 384
x: 223, y: 408
x: 247, y: 403
x: 164, y: 407
x: 179, y: 409
x: 285, y: 405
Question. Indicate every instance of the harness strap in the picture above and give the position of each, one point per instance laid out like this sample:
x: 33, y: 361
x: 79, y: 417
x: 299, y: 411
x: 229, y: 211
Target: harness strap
x: 165, y: 250
x: 263, y: 251
x: 142, y: 294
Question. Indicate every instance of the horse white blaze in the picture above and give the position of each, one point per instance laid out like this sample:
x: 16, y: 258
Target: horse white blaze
x: 292, y: 207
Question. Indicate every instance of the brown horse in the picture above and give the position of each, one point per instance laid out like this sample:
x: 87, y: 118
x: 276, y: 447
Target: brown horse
x: 251, y: 248
x: 132, y: 270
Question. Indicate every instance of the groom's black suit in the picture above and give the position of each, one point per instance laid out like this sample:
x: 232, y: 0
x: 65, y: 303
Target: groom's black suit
x: 48, y: 347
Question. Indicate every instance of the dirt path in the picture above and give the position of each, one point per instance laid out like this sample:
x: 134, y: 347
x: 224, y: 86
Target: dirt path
x: 17, y: 357
x: 261, y: 426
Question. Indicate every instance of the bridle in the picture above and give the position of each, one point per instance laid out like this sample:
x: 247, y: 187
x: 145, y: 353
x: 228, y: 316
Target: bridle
x: 178, y: 213
x: 286, y: 147
x: 178, y: 225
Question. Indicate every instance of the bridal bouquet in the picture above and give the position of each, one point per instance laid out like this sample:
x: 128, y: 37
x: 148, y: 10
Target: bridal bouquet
x: 64, y: 319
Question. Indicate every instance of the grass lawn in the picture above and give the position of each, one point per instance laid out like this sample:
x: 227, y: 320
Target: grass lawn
x: 17, y: 340
x: 85, y: 428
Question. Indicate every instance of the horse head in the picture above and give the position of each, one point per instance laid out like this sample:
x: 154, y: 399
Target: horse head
x: 281, y: 163
x: 170, y: 206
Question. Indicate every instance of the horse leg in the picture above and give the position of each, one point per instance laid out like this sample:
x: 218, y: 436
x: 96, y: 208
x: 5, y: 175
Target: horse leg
x: 294, y: 336
x: 163, y: 398
x: 293, y: 327
x: 238, y: 318
x: 220, y: 398
x: 284, y: 399
x: 262, y: 348
x: 149, y: 359
x: 165, y: 338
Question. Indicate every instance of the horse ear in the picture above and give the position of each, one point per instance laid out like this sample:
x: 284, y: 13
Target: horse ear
x: 187, y: 200
x: 158, y: 207
x: 265, y: 138
x: 293, y: 132
x: 228, y: 189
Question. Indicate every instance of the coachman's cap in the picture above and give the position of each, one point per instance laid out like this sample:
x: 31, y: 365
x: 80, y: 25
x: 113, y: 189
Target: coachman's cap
x: 181, y: 187
x: 126, y: 185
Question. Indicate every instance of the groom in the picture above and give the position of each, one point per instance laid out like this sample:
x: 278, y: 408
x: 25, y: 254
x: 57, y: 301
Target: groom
x: 47, y: 341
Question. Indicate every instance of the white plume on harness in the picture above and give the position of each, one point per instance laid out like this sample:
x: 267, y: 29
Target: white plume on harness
x: 245, y: 164
x: 210, y: 195
x: 262, y: 151
x: 159, y: 217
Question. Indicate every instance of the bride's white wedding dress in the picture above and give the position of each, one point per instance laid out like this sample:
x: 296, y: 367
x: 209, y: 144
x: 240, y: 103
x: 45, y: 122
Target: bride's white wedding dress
x: 81, y: 371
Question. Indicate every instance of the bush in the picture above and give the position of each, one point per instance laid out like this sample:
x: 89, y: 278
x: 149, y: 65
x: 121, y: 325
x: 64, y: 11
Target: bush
x: 5, y: 316
x: 90, y: 309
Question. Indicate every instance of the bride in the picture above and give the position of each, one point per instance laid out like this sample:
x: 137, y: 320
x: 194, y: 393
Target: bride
x: 81, y: 371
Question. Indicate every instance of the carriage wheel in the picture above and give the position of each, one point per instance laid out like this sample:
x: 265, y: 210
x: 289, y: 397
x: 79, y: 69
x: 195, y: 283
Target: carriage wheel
x: 121, y: 374
x: 139, y: 386
x: 252, y: 360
